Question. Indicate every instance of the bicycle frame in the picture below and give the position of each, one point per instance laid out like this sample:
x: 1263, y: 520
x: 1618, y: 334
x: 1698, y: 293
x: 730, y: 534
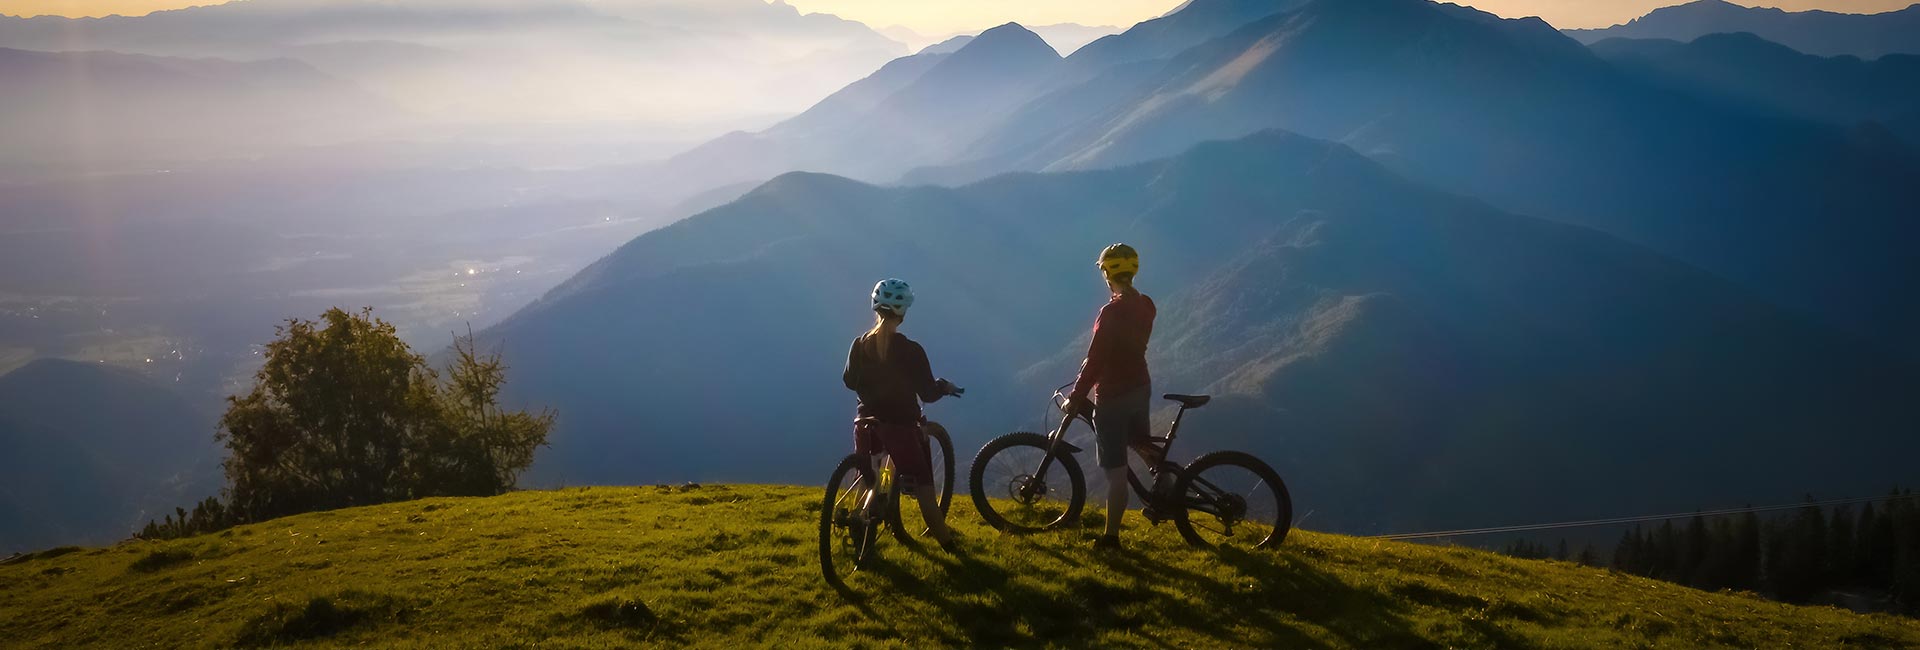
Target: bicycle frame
x: 882, y: 463
x: 1205, y: 497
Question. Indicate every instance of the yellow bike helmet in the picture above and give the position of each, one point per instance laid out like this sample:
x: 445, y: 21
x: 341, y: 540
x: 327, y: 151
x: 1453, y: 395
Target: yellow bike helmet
x: 1119, y: 262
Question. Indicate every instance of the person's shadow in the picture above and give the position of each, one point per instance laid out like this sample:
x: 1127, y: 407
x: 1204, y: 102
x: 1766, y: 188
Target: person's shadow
x: 1268, y: 599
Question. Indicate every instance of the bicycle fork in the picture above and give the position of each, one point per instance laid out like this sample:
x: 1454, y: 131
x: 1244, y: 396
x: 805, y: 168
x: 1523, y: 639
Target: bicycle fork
x: 1036, y: 484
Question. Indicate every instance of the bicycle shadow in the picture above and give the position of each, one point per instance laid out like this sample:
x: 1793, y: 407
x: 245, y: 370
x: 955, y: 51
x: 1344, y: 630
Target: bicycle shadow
x: 1282, y: 600
x: 1285, y: 580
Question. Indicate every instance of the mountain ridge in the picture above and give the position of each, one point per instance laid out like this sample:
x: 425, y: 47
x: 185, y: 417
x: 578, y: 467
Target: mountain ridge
x: 738, y: 53
x: 1817, y: 32
x: 1357, y: 264
x: 89, y: 451
x: 149, y: 106
x: 1747, y: 69
x: 914, y: 108
x: 1496, y: 97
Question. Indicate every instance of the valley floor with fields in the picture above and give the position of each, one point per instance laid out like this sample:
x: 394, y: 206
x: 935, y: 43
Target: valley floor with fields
x: 736, y: 566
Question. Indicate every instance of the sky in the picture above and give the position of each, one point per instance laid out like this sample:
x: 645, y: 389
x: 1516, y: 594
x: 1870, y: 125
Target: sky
x: 936, y: 17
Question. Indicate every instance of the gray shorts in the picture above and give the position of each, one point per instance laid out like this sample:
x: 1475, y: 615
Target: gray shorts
x: 1119, y: 420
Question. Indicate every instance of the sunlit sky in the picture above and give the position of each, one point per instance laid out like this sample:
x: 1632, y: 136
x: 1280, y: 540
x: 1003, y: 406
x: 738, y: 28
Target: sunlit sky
x: 936, y: 17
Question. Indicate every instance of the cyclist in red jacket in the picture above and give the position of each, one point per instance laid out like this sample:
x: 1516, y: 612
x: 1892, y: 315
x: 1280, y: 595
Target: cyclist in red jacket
x: 1115, y: 375
x: 891, y: 375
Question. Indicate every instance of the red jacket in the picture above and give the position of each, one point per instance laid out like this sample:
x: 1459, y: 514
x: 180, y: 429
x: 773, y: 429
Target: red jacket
x: 1117, y: 358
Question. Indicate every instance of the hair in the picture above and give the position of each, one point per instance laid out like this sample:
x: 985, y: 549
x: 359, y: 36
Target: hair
x: 880, y: 337
x: 1122, y: 280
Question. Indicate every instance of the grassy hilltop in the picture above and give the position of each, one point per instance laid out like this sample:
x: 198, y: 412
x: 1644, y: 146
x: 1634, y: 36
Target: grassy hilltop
x: 732, y: 566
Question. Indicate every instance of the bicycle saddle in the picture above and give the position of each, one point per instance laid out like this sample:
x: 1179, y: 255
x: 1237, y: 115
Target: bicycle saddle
x: 1189, y: 401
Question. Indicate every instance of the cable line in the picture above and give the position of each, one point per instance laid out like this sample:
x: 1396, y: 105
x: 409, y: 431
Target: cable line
x: 1631, y: 520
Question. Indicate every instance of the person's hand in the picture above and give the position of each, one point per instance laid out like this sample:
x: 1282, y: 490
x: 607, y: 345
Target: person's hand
x: 947, y: 388
x: 1080, y: 406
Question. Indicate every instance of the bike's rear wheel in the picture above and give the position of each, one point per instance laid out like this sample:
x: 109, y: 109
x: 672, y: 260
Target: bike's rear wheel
x: 905, y: 519
x: 847, y: 528
x: 1013, y: 493
x: 1233, y: 500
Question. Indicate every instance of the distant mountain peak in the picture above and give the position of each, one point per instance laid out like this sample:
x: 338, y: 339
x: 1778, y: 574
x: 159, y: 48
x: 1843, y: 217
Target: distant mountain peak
x: 1008, y: 37
x: 1005, y: 47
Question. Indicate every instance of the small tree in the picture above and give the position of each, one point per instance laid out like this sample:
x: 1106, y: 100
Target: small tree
x: 1588, y: 556
x: 1747, y: 549
x: 484, y: 447
x: 343, y: 413
x: 1797, y: 555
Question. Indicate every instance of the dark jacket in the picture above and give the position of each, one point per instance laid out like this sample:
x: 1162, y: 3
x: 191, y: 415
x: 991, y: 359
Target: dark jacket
x: 890, y: 389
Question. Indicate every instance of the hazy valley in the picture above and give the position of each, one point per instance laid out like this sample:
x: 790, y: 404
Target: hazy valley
x: 1440, y: 267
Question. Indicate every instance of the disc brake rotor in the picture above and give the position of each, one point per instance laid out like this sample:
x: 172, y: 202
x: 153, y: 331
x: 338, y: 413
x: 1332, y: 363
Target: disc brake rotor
x: 1026, y: 489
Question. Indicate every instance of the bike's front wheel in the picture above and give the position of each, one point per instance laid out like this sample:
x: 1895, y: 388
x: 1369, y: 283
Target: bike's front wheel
x: 1232, y: 500
x: 1019, y: 485
x: 847, y: 528
x: 908, y: 522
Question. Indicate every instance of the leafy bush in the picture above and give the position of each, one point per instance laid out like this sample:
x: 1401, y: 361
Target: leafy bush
x: 344, y: 414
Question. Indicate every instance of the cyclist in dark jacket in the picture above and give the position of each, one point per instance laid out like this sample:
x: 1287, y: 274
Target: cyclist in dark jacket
x: 1115, y: 375
x: 891, y: 375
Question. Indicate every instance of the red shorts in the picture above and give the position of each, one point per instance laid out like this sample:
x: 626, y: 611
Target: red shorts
x: 905, y: 443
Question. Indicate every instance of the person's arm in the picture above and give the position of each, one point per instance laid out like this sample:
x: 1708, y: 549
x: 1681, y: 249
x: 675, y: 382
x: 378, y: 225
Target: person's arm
x: 1096, y: 363
x: 920, y: 373
x: 850, y: 375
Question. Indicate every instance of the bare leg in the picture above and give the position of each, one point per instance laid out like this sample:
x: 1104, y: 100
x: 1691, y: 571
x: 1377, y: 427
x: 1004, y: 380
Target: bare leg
x: 1116, y: 498
x: 930, y: 512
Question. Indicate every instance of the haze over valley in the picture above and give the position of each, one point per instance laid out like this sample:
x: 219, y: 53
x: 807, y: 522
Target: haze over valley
x: 1410, y: 247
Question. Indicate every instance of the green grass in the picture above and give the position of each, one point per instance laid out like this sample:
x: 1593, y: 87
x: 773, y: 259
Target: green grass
x: 732, y: 566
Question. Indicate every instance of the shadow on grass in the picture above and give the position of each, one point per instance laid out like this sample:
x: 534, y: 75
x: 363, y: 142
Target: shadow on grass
x: 630, y: 615
x: 321, y: 617
x: 1277, y: 601
x: 160, y: 559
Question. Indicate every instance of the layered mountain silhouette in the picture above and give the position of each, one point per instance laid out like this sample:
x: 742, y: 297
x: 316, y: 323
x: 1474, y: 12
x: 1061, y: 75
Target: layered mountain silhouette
x: 1188, y: 25
x: 948, y: 46
x: 79, y: 104
x: 995, y: 73
x: 1748, y: 70
x: 1513, y: 112
x: 489, y: 60
x: 1406, y: 356
x: 1064, y: 38
x: 89, y: 453
x: 1815, y: 32
x: 911, y: 112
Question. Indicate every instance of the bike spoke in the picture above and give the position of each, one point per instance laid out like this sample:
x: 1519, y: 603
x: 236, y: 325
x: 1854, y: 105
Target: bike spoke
x: 846, y: 528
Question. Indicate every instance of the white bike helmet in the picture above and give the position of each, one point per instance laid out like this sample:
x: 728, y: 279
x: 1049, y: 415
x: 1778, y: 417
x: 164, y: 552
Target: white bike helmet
x: 892, y: 295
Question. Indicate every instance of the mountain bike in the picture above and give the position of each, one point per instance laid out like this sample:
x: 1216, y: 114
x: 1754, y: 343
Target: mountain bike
x: 863, y: 495
x: 1026, y: 482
